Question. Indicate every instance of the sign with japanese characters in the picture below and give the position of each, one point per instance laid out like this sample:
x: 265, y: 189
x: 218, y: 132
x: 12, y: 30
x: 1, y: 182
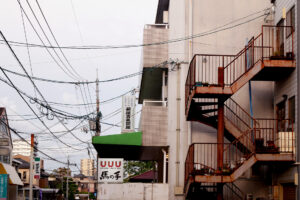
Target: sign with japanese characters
x: 110, y: 170
x: 37, y: 168
x: 3, y: 186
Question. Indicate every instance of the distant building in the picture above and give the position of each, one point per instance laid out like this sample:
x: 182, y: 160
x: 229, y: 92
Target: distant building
x: 22, y: 147
x: 87, y: 167
x: 7, y: 165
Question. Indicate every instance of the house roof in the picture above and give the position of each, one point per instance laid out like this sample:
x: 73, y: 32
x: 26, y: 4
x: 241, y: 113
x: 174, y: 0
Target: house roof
x: 24, y: 165
x: 149, y: 175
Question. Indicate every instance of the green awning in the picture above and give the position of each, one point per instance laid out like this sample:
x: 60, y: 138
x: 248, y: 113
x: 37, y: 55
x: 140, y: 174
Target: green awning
x: 134, y: 139
x: 151, y: 84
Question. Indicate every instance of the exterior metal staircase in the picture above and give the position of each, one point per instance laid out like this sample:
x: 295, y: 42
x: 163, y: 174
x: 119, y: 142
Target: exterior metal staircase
x: 209, y: 190
x: 211, y: 81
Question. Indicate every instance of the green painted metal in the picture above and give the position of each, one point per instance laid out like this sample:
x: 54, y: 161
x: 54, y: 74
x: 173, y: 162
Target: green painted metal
x: 134, y: 139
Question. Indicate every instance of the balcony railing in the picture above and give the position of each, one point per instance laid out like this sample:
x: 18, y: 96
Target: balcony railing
x: 239, y: 117
x: 275, y: 136
x: 274, y: 42
x: 202, y: 158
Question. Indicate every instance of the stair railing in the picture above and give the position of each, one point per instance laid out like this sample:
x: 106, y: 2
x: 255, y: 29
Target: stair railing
x: 232, y: 192
x: 238, y: 116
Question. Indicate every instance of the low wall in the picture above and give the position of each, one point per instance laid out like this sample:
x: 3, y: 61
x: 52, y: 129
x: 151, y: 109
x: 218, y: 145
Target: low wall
x: 133, y: 191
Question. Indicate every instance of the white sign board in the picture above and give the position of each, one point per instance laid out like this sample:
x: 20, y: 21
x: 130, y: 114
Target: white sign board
x: 110, y: 170
x: 37, y: 168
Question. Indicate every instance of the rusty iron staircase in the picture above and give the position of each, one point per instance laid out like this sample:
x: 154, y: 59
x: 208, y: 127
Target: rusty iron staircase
x: 211, y: 81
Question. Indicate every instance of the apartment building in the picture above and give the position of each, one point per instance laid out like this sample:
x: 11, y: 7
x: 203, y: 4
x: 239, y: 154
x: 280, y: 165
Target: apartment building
x: 7, y: 164
x: 22, y: 147
x: 87, y: 167
x: 219, y: 103
x: 231, y: 99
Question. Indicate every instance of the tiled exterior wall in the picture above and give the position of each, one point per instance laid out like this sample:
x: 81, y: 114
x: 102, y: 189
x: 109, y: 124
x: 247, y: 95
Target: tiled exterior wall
x: 156, y: 54
x: 154, y: 125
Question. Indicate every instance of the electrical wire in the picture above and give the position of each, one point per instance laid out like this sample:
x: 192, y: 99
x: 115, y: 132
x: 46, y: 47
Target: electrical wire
x: 81, y: 82
x: 41, y: 40
x: 35, y: 148
x: 212, y: 31
x: 36, y: 90
x: 63, y: 54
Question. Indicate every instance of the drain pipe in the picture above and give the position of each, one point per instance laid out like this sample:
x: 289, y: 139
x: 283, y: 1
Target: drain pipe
x: 178, y: 100
x: 190, y: 48
x: 165, y: 166
x: 298, y: 93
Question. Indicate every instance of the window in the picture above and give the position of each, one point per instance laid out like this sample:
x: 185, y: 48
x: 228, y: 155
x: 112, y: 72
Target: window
x: 24, y: 175
x: 292, y: 109
x: 290, y: 21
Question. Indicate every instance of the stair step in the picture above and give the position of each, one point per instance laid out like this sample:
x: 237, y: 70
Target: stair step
x: 208, y: 111
x: 206, y: 103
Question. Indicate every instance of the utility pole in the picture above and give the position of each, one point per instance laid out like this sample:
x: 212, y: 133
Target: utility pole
x: 98, y: 128
x: 67, y: 189
x: 31, y: 167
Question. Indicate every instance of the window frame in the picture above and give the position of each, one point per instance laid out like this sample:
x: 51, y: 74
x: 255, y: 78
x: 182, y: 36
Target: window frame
x: 292, y: 116
x: 290, y: 21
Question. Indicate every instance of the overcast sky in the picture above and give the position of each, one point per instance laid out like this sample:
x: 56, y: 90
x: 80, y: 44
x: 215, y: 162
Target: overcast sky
x: 73, y: 22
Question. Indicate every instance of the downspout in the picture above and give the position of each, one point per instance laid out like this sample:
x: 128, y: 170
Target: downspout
x: 190, y: 47
x: 165, y: 166
x: 178, y: 126
x: 298, y: 92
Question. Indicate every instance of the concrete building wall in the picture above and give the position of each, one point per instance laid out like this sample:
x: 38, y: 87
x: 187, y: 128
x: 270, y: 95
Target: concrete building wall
x: 87, y: 167
x: 193, y: 17
x: 154, y: 125
x: 155, y: 54
x: 287, y: 86
x: 232, y: 41
x: 133, y: 191
x: 21, y: 147
x: 177, y: 125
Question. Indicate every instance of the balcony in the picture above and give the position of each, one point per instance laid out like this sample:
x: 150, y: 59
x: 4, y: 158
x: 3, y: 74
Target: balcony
x: 268, y: 57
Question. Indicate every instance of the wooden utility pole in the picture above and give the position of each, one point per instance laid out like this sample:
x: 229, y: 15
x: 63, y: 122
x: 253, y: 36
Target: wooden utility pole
x: 67, y: 187
x: 98, y: 128
x: 31, y: 168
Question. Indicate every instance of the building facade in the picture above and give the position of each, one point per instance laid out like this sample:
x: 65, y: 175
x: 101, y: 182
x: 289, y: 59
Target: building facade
x: 22, y: 147
x: 87, y: 167
x: 231, y: 99
x: 219, y: 101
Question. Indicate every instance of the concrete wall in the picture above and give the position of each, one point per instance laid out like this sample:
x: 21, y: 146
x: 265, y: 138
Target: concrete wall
x: 193, y: 17
x: 156, y: 54
x: 176, y: 89
x: 287, y: 86
x: 154, y: 125
x: 133, y: 191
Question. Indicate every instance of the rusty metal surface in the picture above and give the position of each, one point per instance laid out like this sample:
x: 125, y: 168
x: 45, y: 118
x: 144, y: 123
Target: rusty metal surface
x: 275, y: 157
x: 212, y: 179
x: 280, y: 63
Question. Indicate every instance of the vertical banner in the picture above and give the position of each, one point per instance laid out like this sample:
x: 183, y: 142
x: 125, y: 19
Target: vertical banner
x: 3, y: 186
x: 110, y: 170
x: 37, y: 168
